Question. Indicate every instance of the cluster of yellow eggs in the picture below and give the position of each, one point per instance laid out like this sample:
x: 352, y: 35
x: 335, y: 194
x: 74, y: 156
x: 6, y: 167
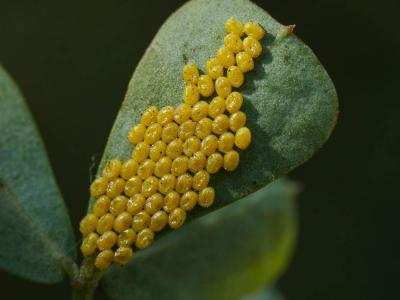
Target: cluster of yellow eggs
x: 176, y: 150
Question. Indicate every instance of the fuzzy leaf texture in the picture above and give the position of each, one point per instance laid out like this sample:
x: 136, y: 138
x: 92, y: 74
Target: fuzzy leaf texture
x: 290, y: 101
x: 36, y: 234
x: 227, y: 254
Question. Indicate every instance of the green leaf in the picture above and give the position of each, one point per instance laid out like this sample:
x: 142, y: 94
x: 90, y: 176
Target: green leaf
x: 224, y: 255
x: 266, y: 294
x: 290, y: 100
x: 35, y: 230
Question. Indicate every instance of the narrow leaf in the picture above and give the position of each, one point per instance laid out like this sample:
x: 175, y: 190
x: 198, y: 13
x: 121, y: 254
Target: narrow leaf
x: 224, y: 255
x: 35, y: 230
x: 290, y: 100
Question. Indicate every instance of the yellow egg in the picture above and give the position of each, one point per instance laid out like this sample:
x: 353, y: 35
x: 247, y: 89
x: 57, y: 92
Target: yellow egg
x: 206, y: 197
x: 205, y: 85
x: 243, y: 138
x: 216, y: 107
x: 214, y: 68
x: 231, y: 160
x: 179, y: 165
x: 149, y: 116
x: 135, y: 204
x: 223, y: 87
x: 190, y: 74
x: 176, y: 218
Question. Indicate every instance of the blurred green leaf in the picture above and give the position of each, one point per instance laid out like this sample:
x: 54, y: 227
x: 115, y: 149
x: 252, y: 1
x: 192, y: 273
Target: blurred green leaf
x: 265, y: 294
x: 224, y: 255
x: 290, y: 100
x: 35, y: 229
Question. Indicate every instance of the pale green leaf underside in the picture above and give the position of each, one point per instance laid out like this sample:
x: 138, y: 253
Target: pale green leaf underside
x: 224, y: 255
x: 35, y: 229
x: 290, y: 100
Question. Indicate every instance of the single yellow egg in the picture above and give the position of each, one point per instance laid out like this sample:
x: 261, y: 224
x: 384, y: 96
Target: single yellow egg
x: 190, y: 74
x: 206, y: 197
x: 169, y: 132
x: 163, y: 166
x: 197, y: 161
x: 118, y: 205
x: 191, y: 94
x: 141, y: 152
x: 136, y: 134
x: 88, y: 224
x: 177, y: 218
x: 135, y: 204
x: 252, y: 46
x: 115, y: 187
x: 205, y: 85
x: 214, y: 163
x: 149, y: 116
x: 226, y: 57
x: 154, y: 203
x: 98, y: 187
x: 140, y: 221
x: 216, y: 107
x: 237, y: 120
x: 231, y: 160
x: 254, y: 30
x: 157, y: 150
x: 233, y: 25
x: 191, y: 145
x: 199, y: 111
x: 149, y: 186
x: 186, y: 129
x: 189, y: 200
x: 122, y: 222
x: 165, y: 115
x: 220, y: 124
x: 104, y: 259
x: 166, y: 183
x: 183, y: 183
x: 107, y: 240
x: 122, y: 255
x: 223, y: 87
x: 158, y: 221
x: 105, y: 223
x: 235, y: 76
x: 171, y: 201
x: 179, y: 166
x: 144, y: 238
x: 243, y: 138
x: 234, y: 102
x: 89, y: 244
x: 200, y: 180
x: 214, y: 68
x: 129, y: 169
x: 182, y: 113
x: 101, y: 206
x: 174, y: 148
x: 233, y: 42
x: 244, y: 61
x: 112, y: 169
x: 133, y: 186
x: 203, y: 128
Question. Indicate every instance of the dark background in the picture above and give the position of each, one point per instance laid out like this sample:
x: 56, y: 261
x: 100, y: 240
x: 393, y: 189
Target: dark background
x: 73, y: 61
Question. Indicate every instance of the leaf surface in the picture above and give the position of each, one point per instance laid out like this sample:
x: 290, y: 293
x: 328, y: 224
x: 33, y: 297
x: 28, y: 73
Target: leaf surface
x: 226, y: 254
x: 290, y: 101
x: 35, y: 229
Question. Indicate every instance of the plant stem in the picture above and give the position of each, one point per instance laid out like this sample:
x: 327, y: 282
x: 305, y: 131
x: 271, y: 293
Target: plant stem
x: 85, y: 281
